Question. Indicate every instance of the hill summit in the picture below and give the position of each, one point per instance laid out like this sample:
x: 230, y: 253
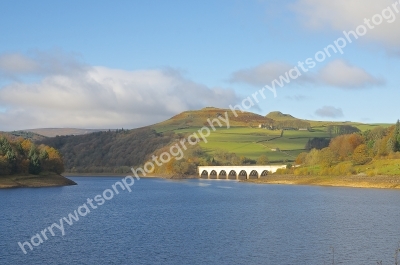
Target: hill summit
x: 279, y: 116
x: 198, y: 118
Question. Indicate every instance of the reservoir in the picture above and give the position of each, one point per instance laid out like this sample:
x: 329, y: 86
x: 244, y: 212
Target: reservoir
x: 201, y: 222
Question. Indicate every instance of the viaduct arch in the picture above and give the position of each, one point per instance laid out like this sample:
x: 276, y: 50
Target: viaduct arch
x: 236, y: 172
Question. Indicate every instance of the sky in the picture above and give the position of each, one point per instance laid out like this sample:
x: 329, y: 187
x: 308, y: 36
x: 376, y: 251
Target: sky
x: 127, y: 64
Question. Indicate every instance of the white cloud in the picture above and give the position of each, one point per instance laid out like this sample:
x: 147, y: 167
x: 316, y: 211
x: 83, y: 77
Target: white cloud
x: 100, y: 97
x: 345, y: 15
x: 341, y: 74
x: 12, y: 63
x: 329, y: 112
x: 260, y: 75
x: 16, y: 66
x: 337, y: 73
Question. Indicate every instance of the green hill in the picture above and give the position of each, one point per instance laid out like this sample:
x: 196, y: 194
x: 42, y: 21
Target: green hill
x: 198, y: 118
x: 117, y: 151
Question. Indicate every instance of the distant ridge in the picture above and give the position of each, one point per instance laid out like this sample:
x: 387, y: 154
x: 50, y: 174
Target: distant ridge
x: 53, y: 132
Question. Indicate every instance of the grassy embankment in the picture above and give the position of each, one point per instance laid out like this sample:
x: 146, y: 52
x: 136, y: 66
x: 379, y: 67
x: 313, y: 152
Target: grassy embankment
x: 383, y: 173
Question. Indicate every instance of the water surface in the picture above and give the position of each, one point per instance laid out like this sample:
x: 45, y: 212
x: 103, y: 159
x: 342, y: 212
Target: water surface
x: 202, y: 222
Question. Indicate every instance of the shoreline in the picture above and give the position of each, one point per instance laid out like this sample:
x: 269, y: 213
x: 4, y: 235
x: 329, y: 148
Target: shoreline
x: 34, y: 181
x: 129, y: 174
x: 354, y: 181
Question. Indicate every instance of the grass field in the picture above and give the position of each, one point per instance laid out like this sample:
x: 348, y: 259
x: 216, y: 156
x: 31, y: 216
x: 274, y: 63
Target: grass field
x: 254, y: 142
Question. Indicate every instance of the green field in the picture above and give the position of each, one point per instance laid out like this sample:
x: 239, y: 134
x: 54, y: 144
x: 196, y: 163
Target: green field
x: 246, y: 139
x: 254, y: 142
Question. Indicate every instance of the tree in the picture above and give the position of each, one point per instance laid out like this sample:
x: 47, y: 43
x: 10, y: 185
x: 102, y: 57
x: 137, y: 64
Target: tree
x: 5, y: 168
x: 317, y: 143
x: 12, y: 160
x: 342, y: 129
x: 327, y: 157
x: 396, y: 137
x: 301, y: 158
x: 343, y: 146
x: 263, y: 160
x: 312, y: 157
x: 34, y: 165
x: 26, y: 146
x: 360, y: 155
x: 43, y: 154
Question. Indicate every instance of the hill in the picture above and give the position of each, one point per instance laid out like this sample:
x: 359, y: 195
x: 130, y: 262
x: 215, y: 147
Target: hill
x: 245, y: 138
x: 243, y: 142
x: 23, y: 134
x: 279, y: 116
x: 198, y: 118
x: 108, y: 151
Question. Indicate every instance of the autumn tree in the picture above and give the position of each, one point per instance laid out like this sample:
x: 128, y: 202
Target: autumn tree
x: 312, y: 157
x: 326, y: 157
x: 360, y: 155
x: 263, y: 160
x: 301, y: 158
x: 51, y: 160
x: 343, y: 146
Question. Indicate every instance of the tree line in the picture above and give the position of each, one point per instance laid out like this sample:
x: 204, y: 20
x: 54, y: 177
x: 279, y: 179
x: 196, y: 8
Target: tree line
x: 196, y: 156
x: 341, y: 129
x: 21, y: 156
x: 356, y: 149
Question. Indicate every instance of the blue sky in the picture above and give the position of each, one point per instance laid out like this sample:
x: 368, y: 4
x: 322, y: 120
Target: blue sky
x: 102, y: 64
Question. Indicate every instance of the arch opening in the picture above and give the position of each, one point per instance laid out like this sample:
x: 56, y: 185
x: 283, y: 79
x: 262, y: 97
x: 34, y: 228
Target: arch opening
x: 213, y: 174
x: 253, y: 174
x: 232, y: 174
x: 222, y: 174
x: 204, y: 174
x: 264, y: 173
x: 243, y: 174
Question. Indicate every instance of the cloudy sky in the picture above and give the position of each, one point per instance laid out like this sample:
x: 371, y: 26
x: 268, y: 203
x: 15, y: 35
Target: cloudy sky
x: 104, y: 64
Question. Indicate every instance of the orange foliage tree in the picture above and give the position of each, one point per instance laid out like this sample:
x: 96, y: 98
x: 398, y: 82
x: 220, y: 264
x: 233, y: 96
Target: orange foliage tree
x: 343, y: 146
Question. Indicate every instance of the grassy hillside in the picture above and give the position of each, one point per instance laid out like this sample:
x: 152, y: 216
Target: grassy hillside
x: 116, y: 151
x: 198, y: 118
x: 245, y: 138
